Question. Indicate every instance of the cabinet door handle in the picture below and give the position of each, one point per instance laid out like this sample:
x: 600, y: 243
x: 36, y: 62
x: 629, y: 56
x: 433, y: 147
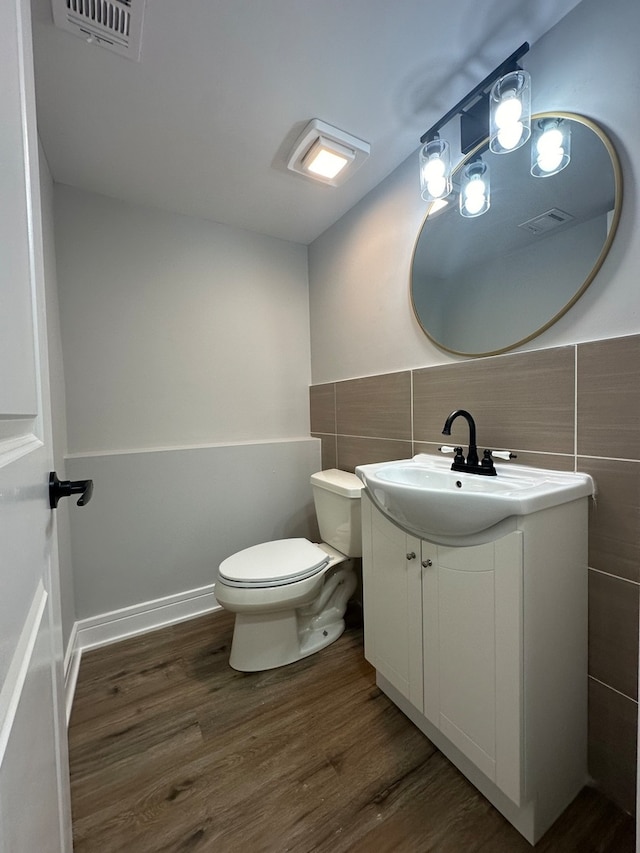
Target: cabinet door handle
x: 411, y: 555
x: 426, y: 564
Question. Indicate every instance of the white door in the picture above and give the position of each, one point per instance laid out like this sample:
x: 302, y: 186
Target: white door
x: 34, y: 794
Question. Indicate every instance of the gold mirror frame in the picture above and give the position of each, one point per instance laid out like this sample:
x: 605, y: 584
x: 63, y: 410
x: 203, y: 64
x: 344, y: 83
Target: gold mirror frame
x: 617, y: 176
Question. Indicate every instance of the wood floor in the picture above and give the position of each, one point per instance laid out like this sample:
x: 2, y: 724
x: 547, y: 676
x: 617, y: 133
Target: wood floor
x: 171, y: 750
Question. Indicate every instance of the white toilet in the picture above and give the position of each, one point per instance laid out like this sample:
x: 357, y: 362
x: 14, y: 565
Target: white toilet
x: 290, y: 595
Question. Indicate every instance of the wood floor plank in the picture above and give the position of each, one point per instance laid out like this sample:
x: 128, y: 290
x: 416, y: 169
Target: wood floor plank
x: 151, y: 662
x: 189, y: 755
x: 100, y: 770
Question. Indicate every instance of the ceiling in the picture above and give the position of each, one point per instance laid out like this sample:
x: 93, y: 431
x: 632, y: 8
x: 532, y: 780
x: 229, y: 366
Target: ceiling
x: 203, y: 125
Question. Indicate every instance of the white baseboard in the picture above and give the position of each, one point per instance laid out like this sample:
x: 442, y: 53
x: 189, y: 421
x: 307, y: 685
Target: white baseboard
x: 131, y: 621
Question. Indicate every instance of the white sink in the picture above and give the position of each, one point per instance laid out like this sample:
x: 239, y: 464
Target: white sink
x: 426, y: 498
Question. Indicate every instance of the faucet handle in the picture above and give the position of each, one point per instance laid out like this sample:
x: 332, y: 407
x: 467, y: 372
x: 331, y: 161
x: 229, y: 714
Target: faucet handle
x: 504, y: 454
x: 447, y: 449
x: 458, y: 459
x: 487, y: 461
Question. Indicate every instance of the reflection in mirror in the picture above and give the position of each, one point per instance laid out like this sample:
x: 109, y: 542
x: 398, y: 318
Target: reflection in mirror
x: 484, y: 285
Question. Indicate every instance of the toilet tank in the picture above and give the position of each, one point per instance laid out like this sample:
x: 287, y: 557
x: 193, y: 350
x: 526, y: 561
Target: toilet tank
x: 336, y: 495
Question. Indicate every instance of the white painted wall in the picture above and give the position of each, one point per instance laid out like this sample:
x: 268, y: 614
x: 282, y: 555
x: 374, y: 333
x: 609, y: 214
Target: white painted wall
x: 187, y: 365
x: 361, y: 317
x: 160, y: 522
x: 177, y: 330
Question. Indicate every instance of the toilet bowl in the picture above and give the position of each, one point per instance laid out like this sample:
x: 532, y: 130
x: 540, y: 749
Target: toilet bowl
x: 290, y: 595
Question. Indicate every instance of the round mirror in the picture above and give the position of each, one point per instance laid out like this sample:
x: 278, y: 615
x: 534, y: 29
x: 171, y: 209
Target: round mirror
x: 483, y: 285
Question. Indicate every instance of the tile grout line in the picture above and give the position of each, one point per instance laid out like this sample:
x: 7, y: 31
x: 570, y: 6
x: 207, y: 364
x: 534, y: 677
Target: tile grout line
x: 609, y: 687
x: 575, y: 408
x: 413, y: 440
x: 615, y: 577
x: 335, y: 422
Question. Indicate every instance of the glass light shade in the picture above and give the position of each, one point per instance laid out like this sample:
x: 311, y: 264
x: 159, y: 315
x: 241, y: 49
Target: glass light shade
x: 510, y: 112
x: 475, y: 190
x: 435, y: 170
x: 551, y: 147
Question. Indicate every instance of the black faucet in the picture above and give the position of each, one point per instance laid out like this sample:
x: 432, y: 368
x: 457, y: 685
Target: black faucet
x: 472, y: 464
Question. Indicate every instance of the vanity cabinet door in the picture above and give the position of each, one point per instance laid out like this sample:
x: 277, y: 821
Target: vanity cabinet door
x: 392, y: 602
x: 472, y: 602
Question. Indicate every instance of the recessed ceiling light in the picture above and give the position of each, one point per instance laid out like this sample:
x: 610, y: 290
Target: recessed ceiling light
x: 326, y: 154
x: 326, y: 158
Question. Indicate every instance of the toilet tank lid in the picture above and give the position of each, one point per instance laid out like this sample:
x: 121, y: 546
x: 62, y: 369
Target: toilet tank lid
x: 339, y: 482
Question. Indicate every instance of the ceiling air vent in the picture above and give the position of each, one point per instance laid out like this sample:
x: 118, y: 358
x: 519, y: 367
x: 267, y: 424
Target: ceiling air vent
x: 114, y: 24
x: 546, y: 221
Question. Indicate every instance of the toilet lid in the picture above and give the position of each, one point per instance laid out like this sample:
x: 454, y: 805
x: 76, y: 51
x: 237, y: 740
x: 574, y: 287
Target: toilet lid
x: 273, y: 563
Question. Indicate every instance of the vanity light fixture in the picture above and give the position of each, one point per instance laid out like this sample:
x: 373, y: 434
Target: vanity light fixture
x: 475, y: 197
x: 499, y: 107
x: 551, y: 147
x: 435, y: 169
x: 510, y: 112
x: 326, y: 154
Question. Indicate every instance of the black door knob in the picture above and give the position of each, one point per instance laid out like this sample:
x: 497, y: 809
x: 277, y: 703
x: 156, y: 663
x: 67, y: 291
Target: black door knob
x: 64, y: 488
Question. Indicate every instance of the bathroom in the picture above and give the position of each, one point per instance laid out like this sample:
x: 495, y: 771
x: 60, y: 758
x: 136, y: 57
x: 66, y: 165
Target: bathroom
x: 177, y: 398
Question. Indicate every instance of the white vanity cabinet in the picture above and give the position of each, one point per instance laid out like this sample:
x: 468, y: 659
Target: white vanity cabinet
x: 484, y: 648
x: 472, y: 642
x: 392, y: 603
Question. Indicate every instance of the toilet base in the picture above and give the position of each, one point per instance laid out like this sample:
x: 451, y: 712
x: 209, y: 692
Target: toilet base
x: 269, y: 640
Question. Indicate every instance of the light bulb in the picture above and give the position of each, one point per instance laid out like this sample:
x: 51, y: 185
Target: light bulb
x: 434, y: 168
x: 474, y: 189
x: 552, y: 149
x: 548, y: 161
x: 434, y: 176
x: 510, y: 135
x: 508, y: 111
x: 550, y: 140
x: 475, y: 195
x: 474, y: 205
x: 437, y: 187
x: 435, y: 179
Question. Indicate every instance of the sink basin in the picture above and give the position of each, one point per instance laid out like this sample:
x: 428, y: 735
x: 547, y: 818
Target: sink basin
x: 426, y: 498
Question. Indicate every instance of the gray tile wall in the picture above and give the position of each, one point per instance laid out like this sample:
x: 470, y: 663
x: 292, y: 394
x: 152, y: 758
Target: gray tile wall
x: 569, y: 408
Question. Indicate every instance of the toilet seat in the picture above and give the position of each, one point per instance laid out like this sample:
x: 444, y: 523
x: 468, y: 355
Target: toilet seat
x: 270, y: 564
